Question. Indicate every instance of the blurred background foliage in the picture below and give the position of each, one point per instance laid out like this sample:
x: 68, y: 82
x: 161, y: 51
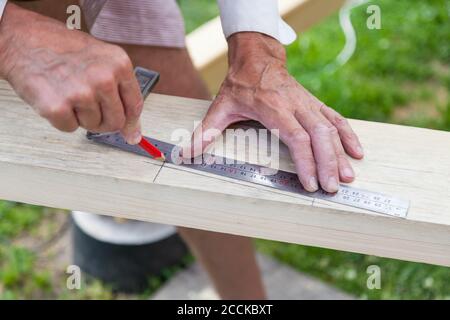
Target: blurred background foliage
x: 399, y: 74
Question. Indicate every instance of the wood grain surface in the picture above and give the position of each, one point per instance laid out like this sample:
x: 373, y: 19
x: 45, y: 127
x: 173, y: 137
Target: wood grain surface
x: 40, y: 165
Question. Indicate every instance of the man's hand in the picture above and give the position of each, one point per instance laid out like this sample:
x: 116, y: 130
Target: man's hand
x: 68, y: 77
x: 258, y: 87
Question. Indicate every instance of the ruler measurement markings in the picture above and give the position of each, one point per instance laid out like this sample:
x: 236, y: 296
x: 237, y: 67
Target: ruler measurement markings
x: 282, y: 180
x: 239, y: 170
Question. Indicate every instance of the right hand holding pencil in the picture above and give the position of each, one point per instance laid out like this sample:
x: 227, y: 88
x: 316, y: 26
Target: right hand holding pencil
x: 68, y: 77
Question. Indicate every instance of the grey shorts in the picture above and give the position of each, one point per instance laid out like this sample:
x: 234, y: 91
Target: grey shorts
x: 140, y: 22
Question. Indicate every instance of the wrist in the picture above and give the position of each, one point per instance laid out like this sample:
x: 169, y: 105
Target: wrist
x: 254, y: 48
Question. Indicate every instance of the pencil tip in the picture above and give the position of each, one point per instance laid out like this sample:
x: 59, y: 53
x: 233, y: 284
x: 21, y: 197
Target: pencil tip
x: 162, y: 158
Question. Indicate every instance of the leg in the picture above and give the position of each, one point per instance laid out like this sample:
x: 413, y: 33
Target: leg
x: 178, y: 75
x: 228, y: 259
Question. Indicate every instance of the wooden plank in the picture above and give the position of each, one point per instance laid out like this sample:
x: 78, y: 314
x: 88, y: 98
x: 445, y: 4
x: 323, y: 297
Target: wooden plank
x: 208, y: 48
x: 42, y: 166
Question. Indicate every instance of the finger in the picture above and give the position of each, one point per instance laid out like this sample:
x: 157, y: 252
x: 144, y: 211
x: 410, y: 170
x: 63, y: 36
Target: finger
x: 112, y: 111
x: 346, y: 173
x: 299, y: 144
x: 62, y: 118
x: 133, y: 103
x: 89, y: 116
x: 348, y: 137
x: 56, y: 107
x: 323, y: 149
x: 215, y: 121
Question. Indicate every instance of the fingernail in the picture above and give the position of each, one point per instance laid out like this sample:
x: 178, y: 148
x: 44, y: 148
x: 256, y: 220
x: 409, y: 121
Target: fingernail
x: 333, y: 185
x: 348, y: 173
x: 360, y: 150
x: 313, y: 185
x: 135, y: 138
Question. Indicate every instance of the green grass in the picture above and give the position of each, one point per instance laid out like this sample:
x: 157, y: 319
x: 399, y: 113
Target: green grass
x: 15, y: 217
x: 390, y: 67
x: 197, y: 12
x: 18, y: 276
x: 348, y: 271
x: 394, y: 69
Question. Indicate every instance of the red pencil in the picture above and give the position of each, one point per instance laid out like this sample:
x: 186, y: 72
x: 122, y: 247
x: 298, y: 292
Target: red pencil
x: 151, y: 149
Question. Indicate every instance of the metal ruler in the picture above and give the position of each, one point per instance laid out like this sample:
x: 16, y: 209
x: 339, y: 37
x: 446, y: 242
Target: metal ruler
x: 282, y: 180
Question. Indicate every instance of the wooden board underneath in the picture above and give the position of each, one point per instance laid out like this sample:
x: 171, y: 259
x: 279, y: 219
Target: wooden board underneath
x: 42, y: 166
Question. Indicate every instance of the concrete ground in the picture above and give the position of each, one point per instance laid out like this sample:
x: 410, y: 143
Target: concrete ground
x: 282, y: 282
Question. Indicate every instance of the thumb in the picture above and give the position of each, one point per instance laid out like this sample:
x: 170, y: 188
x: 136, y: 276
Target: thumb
x: 133, y: 103
x: 215, y: 121
x: 132, y: 132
